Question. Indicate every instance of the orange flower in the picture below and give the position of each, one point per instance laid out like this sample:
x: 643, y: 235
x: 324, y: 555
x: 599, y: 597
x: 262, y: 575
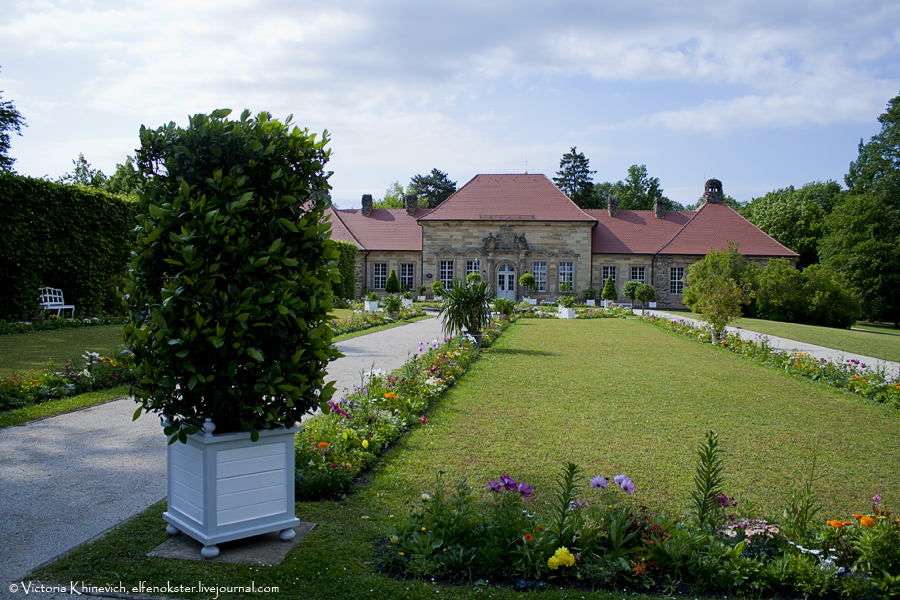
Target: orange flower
x: 391, y: 396
x: 836, y: 524
x: 846, y: 522
x: 323, y: 444
x: 857, y: 516
x: 867, y: 522
x: 528, y: 537
x: 539, y: 528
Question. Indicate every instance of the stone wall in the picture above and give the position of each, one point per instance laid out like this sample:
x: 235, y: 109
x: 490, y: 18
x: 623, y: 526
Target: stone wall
x: 365, y: 270
x: 623, y: 264
x: 518, y: 243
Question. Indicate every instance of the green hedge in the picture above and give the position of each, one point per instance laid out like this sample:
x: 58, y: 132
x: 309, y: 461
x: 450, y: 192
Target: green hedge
x: 347, y: 267
x: 61, y: 236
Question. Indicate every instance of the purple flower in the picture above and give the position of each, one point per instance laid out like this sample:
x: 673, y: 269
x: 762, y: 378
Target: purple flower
x: 508, y: 483
x: 495, y: 486
x: 524, y: 489
x: 599, y: 483
x: 434, y: 344
x: 619, y: 479
x: 627, y: 486
x: 876, y: 500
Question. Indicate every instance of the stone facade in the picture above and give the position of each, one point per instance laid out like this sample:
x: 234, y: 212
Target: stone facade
x: 623, y: 264
x: 365, y: 268
x: 503, y: 244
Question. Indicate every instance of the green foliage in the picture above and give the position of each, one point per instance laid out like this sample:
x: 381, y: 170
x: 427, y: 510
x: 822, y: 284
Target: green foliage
x: 707, y: 482
x: 801, y: 509
x: 589, y: 293
x: 814, y: 296
x: 467, y: 306
x: 629, y: 290
x: 393, y: 197
x: 437, y: 288
x: 566, y: 301
x: 639, y: 191
x: 10, y: 120
x: 346, y: 288
x: 574, y: 177
x: 391, y: 303
x: 61, y: 236
x: 393, y: 283
x: 504, y: 306
x: 84, y: 175
x: 230, y: 286
x: 645, y: 293
x: 609, y: 290
x: 125, y: 180
x: 716, y: 287
x: 877, y: 168
x: 432, y: 189
x: 421, y: 289
x: 527, y: 281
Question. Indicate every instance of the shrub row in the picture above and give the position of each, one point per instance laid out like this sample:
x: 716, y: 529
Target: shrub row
x: 859, y: 378
x: 63, y: 236
x: 352, y: 432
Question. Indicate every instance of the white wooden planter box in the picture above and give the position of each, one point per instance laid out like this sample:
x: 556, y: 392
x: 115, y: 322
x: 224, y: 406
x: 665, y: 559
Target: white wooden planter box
x: 531, y: 301
x: 407, y: 303
x: 438, y: 298
x: 565, y: 313
x: 370, y: 305
x: 589, y: 302
x: 225, y: 487
x: 421, y: 298
x: 652, y: 304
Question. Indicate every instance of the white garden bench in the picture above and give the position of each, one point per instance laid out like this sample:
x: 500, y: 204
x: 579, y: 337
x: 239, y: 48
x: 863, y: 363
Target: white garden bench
x: 52, y: 299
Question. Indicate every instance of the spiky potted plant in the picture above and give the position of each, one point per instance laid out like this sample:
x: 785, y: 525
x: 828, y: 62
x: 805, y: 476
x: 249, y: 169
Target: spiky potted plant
x: 467, y: 306
x: 229, y: 291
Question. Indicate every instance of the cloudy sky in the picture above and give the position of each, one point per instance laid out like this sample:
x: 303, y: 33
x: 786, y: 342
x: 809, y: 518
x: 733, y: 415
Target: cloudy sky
x: 760, y: 94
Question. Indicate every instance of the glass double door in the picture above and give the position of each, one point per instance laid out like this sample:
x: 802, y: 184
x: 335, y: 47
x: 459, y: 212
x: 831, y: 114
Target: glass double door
x: 506, y: 282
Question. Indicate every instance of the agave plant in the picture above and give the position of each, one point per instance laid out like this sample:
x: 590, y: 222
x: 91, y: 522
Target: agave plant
x: 467, y: 305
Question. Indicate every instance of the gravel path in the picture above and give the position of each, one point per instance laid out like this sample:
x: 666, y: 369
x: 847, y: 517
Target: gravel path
x: 68, y: 479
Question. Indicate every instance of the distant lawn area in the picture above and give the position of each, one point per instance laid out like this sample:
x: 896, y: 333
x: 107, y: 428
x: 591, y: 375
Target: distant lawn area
x: 27, y: 352
x: 613, y: 395
x: 866, y: 339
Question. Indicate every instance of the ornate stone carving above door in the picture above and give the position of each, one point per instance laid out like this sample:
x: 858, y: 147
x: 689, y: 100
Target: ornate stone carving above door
x: 506, y: 239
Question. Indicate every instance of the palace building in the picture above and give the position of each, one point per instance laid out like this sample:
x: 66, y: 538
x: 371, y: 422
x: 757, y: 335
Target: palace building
x: 503, y: 226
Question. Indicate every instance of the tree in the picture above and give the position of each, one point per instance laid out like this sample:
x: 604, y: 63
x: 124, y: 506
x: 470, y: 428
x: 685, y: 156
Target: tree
x: 84, y: 175
x: 629, y: 290
x: 431, y: 189
x: 877, y: 168
x: 639, y: 191
x: 393, y: 284
x: 609, y: 290
x: 795, y: 217
x: 125, y: 180
x: 10, y: 120
x: 645, y: 293
x: 574, y: 177
x: 715, y: 288
x: 393, y: 197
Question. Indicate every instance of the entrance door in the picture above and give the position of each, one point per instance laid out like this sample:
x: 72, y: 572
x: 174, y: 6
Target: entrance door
x: 506, y: 282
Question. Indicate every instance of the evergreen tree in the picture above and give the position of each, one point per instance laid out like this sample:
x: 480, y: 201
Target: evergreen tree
x: 432, y: 189
x: 393, y: 284
x: 609, y: 290
x: 574, y: 177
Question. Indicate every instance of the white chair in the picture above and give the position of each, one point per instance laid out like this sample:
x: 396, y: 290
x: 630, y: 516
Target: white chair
x: 52, y: 299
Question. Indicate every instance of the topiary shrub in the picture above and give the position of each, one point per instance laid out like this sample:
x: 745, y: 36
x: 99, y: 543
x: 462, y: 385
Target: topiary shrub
x: 645, y: 293
x: 231, y: 279
x: 393, y: 283
x: 609, y: 290
x: 437, y: 288
x: 528, y: 281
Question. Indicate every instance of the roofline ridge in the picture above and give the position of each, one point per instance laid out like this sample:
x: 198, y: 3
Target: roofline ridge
x: 749, y: 222
x: 335, y: 212
x: 680, y: 229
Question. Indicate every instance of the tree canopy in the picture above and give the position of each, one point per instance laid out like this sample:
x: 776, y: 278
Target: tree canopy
x: 84, y: 175
x: 432, y: 189
x: 716, y: 288
x: 639, y: 191
x: 393, y: 197
x: 574, y: 177
x: 11, y: 120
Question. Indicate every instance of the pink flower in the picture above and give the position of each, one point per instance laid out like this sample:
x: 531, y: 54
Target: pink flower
x: 424, y: 420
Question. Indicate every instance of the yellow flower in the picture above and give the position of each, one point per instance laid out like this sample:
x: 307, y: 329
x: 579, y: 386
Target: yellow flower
x: 423, y: 529
x: 553, y: 562
x: 365, y: 443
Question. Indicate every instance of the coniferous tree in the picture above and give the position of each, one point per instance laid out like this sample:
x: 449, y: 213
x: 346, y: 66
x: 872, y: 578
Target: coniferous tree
x: 609, y: 290
x: 393, y: 284
x: 574, y: 177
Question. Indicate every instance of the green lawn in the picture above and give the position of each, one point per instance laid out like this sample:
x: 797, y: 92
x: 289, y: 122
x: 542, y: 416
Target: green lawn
x: 868, y: 340
x: 26, y: 352
x: 615, y: 396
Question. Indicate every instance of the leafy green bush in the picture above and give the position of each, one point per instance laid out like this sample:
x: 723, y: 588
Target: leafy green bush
x: 63, y: 236
x: 437, y: 288
x: 504, y: 306
x: 347, y: 268
x: 393, y: 283
x: 609, y: 290
x: 230, y: 286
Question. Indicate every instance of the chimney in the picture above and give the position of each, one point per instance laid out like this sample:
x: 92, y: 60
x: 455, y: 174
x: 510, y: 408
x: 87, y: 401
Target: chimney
x: 660, y: 208
x: 366, y: 205
x: 712, y: 192
x: 412, y: 203
x: 613, y: 206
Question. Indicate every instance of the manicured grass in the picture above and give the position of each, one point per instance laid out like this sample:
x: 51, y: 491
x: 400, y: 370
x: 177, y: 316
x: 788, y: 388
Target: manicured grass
x: 340, y: 313
x: 878, y: 342
x: 23, y: 352
x: 615, y: 396
x: 58, y: 407
x: 348, y: 336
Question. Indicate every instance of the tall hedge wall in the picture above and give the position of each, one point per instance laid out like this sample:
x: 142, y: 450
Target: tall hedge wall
x: 347, y: 267
x: 62, y: 236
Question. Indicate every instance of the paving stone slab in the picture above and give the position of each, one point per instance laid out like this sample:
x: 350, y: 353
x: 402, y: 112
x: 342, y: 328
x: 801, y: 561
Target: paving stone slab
x: 265, y: 549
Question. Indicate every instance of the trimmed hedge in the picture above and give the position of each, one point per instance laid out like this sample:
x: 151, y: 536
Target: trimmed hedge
x: 347, y: 267
x: 63, y: 236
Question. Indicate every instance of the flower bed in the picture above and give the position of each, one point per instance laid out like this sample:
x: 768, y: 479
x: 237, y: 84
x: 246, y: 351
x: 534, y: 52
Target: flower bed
x: 851, y: 375
x: 52, y: 322
x: 361, y: 320
x: 581, y: 312
x: 597, y: 535
x: 96, y: 373
x: 350, y: 434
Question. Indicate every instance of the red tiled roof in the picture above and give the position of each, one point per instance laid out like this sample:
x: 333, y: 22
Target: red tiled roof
x: 383, y: 229
x: 634, y: 231
x: 508, y: 198
x: 714, y: 225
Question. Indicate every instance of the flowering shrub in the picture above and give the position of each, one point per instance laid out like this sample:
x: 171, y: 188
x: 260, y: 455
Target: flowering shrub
x: 47, y: 322
x: 350, y: 434
x: 852, y: 375
x: 96, y: 373
x: 360, y: 321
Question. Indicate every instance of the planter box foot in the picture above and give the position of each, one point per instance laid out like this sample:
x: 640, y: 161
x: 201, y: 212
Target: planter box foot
x: 287, y: 534
x: 172, y: 530
x: 209, y: 551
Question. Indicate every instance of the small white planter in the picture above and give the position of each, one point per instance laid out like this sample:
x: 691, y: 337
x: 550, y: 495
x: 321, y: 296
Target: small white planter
x: 531, y: 301
x: 565, y: 313
x: 225, y: 487
x: 421, y: 298
x: 651, y: 304
x: 370, y: 305
x: 438, y: 298
x: 406, y: 303
x: 589, y: 302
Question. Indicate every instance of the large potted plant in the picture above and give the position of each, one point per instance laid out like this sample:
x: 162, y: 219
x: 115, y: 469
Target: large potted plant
x: 566, y: 307
x: 528, y: 281
x: 608, y: 293
x: 370, y: 302
x: 421, y: 290
x: 391, y: 304
x: 229, y: 292
x: 589, y: 294
x: 407, y: 298
x: 437, y: 288
x: 467, y: 306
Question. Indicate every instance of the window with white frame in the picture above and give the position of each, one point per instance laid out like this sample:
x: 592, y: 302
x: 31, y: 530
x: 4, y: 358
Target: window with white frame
x: 379, y: 279
x: 637, y: 274
x: 566, y: 275
x: 676, y: 285
x: 446, y: 274
x: 539, y: 270
x: 609, y: 272
x: 406, y: 275
x: 473, y: 266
